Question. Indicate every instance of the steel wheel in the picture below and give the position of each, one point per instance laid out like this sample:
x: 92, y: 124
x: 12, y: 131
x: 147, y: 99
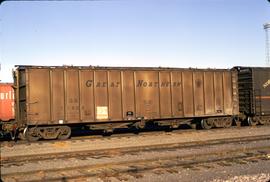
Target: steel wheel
x: 31, y: 134
x: 251, y: 122
x: 262, y: 121
x: 65, y: 133
x: 205, y: 124
x: 228, y: 124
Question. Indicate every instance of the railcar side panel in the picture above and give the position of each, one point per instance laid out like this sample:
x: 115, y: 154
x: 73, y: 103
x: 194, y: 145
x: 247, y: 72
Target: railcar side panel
x: 115, y: 99
x: 218, y: 85
x: 147, y: 94
x: 72, y: 96
x: 38, y: 95
x: 198, y: 84
x: 188, y: 100
x: 57, y: 96
x: 87, y: 96
x: 128, y: 94
x: 101, y: 95
x: 227, y: 92
x: 209, y: 93
x: 177, y: 94
x: 165, y: 95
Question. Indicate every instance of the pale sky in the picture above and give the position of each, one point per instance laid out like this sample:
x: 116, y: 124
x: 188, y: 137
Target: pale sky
x: 166, y: 33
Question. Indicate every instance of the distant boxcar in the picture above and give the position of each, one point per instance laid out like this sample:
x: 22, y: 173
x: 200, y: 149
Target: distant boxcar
x: 6, y: 102
x: 254, y: 94
x: 7, y: 123
x: 51, y: 99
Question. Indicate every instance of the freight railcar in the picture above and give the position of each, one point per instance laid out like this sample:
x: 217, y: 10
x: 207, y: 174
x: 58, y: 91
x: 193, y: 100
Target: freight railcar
x: 50, y: 100
x: 254, y: 94
x: 6, y: 108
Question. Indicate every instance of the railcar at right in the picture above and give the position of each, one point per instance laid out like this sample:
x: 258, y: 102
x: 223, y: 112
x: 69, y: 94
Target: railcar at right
x: 254, y: 94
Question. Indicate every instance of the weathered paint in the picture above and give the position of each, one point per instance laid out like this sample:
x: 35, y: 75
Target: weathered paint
x: 97, y: 94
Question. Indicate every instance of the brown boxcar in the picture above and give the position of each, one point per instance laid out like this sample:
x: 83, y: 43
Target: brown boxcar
x: 254, y: 94
x: 108, y: 97
x: 6, y: 102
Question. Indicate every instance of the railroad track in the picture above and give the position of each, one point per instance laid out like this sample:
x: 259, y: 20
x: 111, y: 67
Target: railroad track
x: 118, y: 133
x: 97, y: 153
x: 127, y: 134
x: 147, y: 158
